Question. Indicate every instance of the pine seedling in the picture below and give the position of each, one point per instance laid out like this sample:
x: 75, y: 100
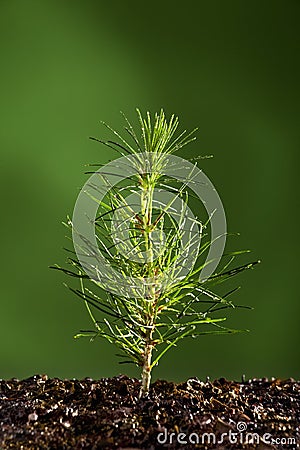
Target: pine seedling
x: 139, y: 277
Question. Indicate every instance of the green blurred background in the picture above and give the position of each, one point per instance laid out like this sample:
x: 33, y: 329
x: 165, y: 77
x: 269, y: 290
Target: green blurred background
x: 231, y: 68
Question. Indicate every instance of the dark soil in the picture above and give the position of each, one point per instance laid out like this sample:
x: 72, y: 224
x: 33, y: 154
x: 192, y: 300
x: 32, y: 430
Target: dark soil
x: 42, y: 413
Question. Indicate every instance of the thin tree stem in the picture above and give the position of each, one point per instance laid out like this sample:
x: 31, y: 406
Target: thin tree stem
x: 146, y: 371
x: 146, y: 207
